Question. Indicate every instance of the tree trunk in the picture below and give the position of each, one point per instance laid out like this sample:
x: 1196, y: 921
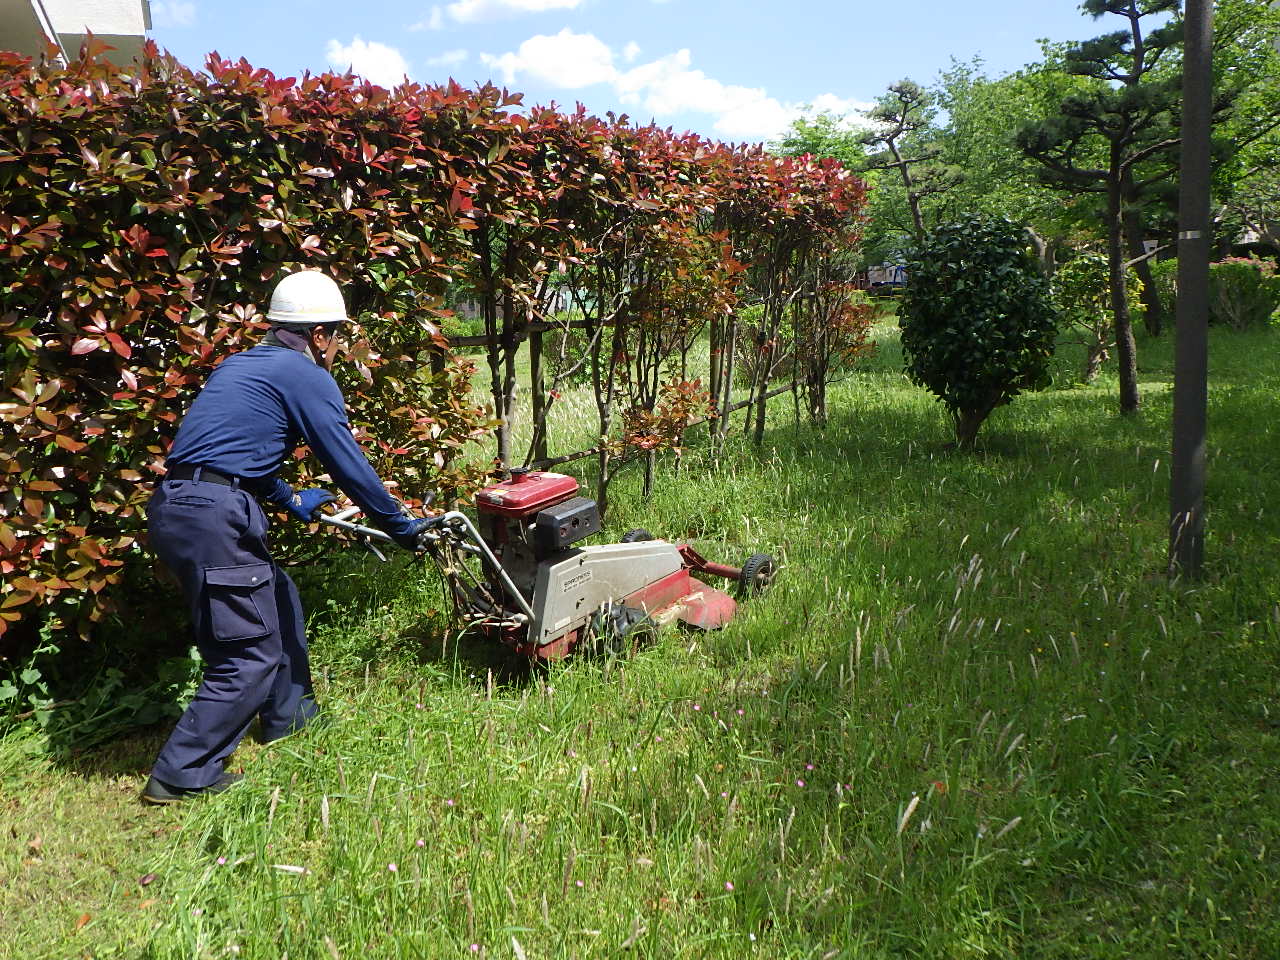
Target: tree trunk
x: 1126, y: 348
x: 1133, y: 229
x: 968, y: 422
x: 493, y: 348
x: 715, y: 338
x: 1093, y: 364
x: 602, y: 481
x: 1044, y: 253
x: 538, y: 396
x: 726, y: 385
x: 913, y: 199
x: 509, y: 345
x: 762, y: 391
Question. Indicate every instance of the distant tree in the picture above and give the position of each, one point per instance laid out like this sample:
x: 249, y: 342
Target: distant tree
x: 894, y: 146
x: 1247, y: 67
x: 825, y: 135
x: 897, y: 142
x: 980, y: 139
x: 1081, y: 298
x: 978, y: 325
x: 1128, y: 112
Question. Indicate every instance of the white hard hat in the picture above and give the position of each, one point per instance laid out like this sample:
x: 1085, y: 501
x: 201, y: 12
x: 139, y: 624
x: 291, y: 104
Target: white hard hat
x: 307, y: 298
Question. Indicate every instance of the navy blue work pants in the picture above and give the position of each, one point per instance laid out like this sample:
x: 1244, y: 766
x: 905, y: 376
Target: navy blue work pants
x: 248, y: 627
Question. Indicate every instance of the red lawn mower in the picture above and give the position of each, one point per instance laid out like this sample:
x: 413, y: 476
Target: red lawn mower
x: 516, y: 575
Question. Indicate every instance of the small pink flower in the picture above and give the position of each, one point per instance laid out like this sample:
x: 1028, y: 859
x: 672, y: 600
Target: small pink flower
x: 697, y: 706
x: 799, y: 783
x: 741, y: 712
x: 222, y: 861
x: 392, y: 867
x: 728, y: 884
x: 657, y: 739
x: 808, y: 766
x: 421, y: 843
x: 417, y: 706
x: 578, y: 883
x: 449, y: 802
x: 724, y: 793
x: 475, y: 948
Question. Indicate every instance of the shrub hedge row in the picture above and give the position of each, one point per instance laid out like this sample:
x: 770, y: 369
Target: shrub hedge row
x: 147, y: 213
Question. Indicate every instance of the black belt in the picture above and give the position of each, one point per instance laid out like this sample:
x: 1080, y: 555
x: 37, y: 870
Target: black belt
x: 188, y: 471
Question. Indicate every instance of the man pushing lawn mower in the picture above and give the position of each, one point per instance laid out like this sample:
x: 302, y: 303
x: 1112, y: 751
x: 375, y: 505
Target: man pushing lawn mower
x: 206, y: 525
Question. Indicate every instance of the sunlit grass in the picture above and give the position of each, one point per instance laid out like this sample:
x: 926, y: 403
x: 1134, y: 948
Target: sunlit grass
x: 972, y: 718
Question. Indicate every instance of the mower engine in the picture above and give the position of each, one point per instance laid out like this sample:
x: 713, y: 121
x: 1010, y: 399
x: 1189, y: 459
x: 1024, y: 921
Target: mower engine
x: 531, y: 518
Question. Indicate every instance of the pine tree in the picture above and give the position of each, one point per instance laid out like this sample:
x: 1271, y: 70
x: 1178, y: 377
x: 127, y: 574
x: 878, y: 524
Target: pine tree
x: 1117, y: 138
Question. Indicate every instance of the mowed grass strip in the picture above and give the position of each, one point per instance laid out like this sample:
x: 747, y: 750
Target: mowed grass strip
x: 972, y: 718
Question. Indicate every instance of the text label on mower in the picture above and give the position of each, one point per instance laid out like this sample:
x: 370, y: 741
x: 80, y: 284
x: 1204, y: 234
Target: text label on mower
x: 576, y: 580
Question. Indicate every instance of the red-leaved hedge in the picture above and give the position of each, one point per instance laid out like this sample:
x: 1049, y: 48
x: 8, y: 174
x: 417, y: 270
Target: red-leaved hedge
x: 148, y: 212
x: 145, y: 219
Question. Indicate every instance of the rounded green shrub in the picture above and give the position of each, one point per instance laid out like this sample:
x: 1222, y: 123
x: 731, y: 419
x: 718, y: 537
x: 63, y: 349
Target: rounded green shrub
x: 1244, y: 293
x: 978, y: 323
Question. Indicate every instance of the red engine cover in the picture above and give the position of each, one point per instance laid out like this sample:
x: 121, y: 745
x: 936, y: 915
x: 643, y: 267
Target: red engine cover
x: 525, y: 495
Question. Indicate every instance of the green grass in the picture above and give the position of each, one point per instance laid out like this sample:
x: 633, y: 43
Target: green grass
x: 971, y: 719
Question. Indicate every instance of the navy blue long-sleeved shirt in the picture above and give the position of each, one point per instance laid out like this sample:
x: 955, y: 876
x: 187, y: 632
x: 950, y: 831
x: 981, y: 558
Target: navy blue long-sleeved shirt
x: 254, y: 409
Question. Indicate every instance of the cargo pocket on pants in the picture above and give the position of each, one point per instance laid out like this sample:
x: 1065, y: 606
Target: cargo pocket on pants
x: 235, y: 599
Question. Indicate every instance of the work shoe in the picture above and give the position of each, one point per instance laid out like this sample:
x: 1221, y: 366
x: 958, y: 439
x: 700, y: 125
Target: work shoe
x: 160, y: 793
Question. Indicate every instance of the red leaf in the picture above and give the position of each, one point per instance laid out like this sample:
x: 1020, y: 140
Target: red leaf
x: 68, y: 444
x: 119, y: 346
x: 84, y: 345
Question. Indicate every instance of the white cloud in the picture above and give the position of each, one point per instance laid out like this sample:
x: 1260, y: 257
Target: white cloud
x: 172, y: 13
x: 569, y: 60
x: 434, y: 21
x: 450, y: 58
x: 472, y: 11
x: 376, y: 62
x: 670, y: 85
x: 662, y: 87
x: 852, y: 111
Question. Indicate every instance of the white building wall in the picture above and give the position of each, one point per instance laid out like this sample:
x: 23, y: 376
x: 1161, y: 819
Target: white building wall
x: 25, y: 24
x: 121, y: 18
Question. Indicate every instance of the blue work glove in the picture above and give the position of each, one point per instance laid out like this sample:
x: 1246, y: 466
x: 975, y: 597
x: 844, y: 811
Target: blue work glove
x: 303, y: 504
x: 408, y: 535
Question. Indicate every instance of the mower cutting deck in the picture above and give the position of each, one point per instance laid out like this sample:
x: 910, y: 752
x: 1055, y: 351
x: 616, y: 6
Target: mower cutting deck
x: 516, y: 576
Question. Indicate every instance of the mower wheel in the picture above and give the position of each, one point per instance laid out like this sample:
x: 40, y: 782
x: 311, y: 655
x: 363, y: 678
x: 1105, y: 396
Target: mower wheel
x: 757, y: 573
x: 636, y: 535
x: 614, y: 627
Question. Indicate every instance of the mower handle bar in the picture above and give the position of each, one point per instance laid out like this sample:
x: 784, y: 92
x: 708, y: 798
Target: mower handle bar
x: 472, y: 543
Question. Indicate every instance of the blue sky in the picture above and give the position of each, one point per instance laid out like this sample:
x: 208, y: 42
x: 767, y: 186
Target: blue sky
x: 730, y: 71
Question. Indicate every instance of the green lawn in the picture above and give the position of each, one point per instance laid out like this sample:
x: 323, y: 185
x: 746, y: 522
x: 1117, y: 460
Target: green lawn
x: 971, y: 719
